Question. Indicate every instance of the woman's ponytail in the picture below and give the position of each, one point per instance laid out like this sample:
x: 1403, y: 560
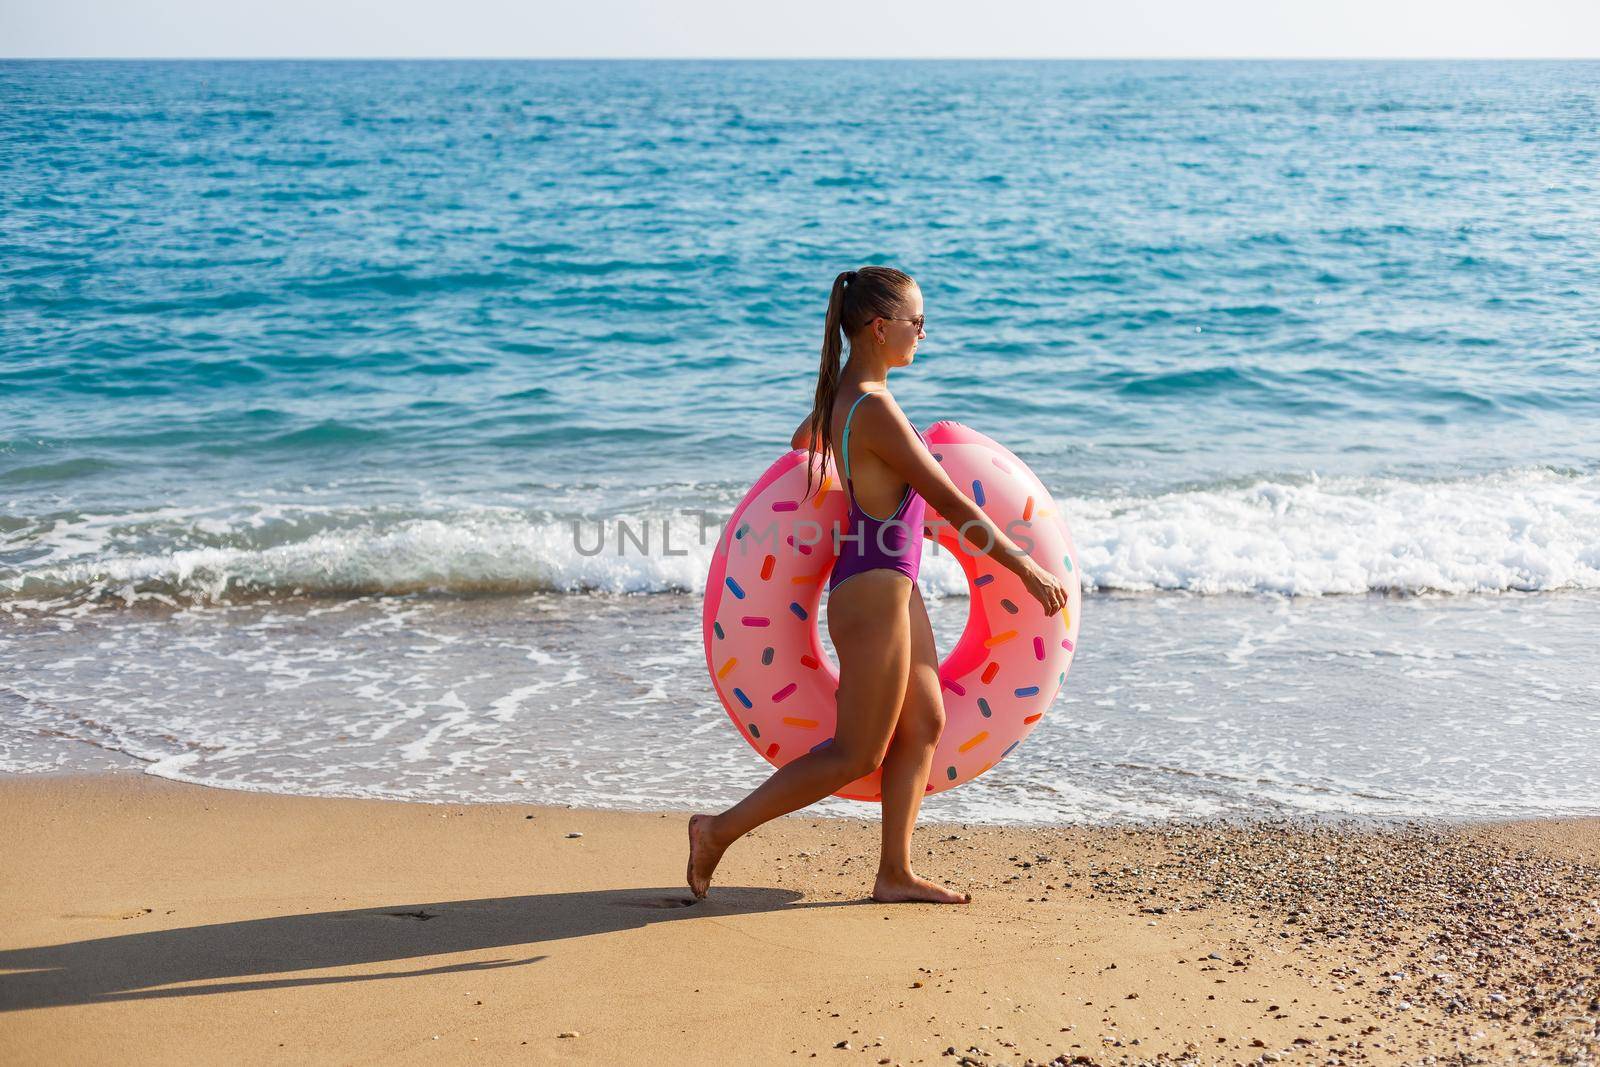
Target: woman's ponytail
x: 828, y: 379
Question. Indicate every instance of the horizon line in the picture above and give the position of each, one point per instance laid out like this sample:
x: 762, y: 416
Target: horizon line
x: 805, y: 59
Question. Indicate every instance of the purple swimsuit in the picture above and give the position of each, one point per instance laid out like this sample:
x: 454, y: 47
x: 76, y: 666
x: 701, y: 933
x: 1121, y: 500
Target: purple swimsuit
x: 867, y: 542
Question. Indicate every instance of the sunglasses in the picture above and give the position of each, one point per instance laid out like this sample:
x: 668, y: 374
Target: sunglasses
x: 917, y: 322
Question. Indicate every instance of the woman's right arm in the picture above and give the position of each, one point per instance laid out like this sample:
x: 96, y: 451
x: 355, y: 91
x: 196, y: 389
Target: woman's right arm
x: 885, y: 429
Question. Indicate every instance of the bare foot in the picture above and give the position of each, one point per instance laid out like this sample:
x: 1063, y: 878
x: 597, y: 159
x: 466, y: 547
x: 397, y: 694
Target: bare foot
x: 899, y: 889
x: 704, y: 854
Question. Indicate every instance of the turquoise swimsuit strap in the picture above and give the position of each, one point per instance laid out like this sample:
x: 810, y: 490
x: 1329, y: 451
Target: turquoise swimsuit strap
x: 848, y: 488
x: 850, y: 415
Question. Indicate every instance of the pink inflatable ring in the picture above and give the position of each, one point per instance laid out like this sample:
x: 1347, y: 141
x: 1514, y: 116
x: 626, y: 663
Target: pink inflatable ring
x: 768, y: 574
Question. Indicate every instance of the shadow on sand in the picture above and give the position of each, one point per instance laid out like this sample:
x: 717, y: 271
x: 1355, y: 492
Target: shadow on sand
x: 137, y: 966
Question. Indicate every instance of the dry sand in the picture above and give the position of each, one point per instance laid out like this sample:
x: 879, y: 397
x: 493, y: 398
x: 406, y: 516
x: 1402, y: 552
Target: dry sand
x: 147, y: 921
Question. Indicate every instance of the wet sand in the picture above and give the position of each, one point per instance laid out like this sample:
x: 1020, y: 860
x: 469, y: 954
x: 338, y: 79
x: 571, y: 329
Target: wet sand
x: 150, y: 921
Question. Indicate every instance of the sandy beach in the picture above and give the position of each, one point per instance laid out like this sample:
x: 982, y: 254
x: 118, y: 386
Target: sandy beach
x: 372, y: 412
x: 151, y: 921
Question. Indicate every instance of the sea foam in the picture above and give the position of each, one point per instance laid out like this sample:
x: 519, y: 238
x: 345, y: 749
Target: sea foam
x: 1529, y: 530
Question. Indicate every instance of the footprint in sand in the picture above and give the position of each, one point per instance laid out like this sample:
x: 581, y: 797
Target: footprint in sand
x: 134, y: 914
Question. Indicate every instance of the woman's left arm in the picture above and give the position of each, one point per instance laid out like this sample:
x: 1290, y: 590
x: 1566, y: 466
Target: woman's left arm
x: 802, y: 436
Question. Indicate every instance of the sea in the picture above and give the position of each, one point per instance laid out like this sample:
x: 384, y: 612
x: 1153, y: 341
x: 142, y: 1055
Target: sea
x: 366, y: 428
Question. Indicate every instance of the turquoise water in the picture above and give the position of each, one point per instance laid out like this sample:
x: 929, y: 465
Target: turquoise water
x: 360, y: 336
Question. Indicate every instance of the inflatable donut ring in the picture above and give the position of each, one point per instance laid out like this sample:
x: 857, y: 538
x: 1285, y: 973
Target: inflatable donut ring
x: 771, y: 565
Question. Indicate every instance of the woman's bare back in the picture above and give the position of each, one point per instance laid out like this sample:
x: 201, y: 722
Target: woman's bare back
x: 878, y: 489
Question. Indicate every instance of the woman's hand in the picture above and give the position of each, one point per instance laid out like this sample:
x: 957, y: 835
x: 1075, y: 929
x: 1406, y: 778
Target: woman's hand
x: 1044, y: 587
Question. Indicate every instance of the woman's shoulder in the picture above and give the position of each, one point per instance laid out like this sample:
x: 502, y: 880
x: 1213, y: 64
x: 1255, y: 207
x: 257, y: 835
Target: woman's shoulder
x: 870, y: 405
x: 877, y: 411
x: 877, y: 397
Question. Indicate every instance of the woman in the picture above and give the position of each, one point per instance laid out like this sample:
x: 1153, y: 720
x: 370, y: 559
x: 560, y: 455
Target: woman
x: 890, y: 711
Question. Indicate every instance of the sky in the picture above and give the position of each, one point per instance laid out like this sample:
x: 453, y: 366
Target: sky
x: 815, y: 28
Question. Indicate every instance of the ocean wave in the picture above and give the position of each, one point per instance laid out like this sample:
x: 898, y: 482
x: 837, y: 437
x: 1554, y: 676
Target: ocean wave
x: 1183, y: 383
x: 63, y: 471
x: 1515, y: 531
x: 1529, y: 531
x: 464, y: 552
x: 397, y: 283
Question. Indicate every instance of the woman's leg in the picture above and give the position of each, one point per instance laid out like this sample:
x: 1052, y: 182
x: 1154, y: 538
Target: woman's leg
x: 870, y: 626
x: 906, y: 766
